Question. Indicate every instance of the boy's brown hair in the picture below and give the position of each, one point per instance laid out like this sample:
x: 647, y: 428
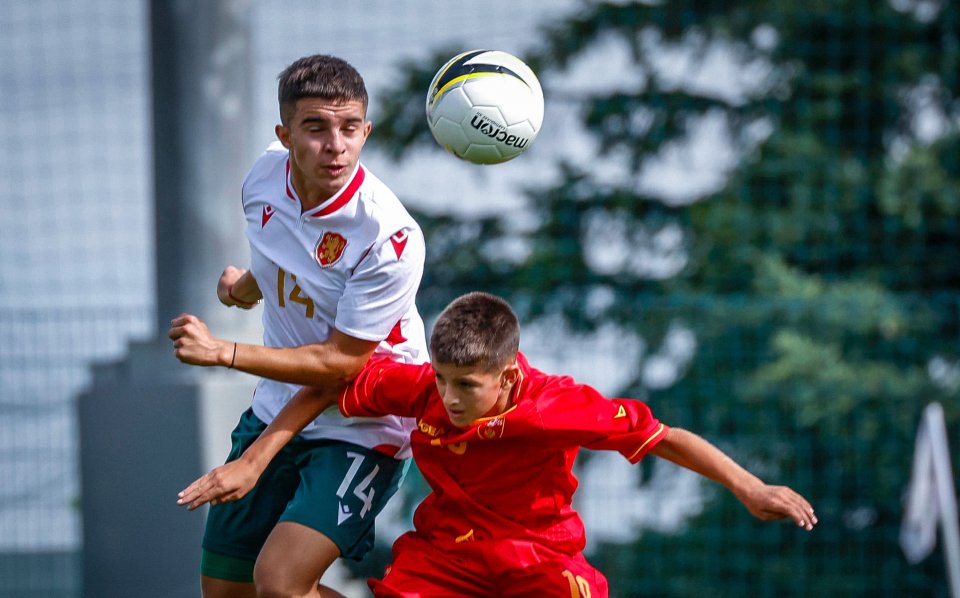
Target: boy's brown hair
x: 319, y: 76
x: 476, y: 329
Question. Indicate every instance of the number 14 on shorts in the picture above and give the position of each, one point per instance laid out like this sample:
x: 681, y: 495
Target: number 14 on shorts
x: 362, y: 490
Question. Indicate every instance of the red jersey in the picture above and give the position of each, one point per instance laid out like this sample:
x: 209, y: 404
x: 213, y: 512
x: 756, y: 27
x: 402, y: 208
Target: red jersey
x: 509, y: 476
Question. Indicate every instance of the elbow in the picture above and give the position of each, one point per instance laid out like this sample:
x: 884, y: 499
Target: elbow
x: 334, y: 363
x: 347, y: 371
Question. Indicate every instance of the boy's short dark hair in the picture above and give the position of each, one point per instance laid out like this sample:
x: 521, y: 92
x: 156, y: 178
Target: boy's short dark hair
x: 319, y: 76
x: 476, y: 329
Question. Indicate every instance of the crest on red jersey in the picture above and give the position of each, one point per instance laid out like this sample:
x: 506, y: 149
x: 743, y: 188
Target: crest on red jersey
x: 491, y: 429
x: 330, y: 248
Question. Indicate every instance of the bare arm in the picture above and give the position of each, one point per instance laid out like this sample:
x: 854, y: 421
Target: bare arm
x: 233, y: 480
x: 333, y: 362
x: 764, y: 501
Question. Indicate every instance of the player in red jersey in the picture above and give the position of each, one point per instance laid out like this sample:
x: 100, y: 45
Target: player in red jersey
x: 496, y: 440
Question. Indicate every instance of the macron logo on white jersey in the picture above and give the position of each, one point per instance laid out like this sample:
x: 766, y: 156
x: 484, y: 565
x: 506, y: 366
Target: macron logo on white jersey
x: 399, y: 240
x: 268, y: 212
x: 343, y: 513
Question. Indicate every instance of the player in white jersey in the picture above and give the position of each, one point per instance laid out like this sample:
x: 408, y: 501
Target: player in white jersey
x: 336, y: 262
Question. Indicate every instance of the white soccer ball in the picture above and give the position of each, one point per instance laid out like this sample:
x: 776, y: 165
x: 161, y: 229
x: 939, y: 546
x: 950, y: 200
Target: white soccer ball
x: 485, y: 106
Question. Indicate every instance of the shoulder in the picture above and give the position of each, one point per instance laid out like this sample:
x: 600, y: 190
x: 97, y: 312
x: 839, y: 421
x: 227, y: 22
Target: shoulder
x: 539, y: 382
x: 393, y: 231
x: 382, y: 205
x: 552, y: 392
x: 270, y: 165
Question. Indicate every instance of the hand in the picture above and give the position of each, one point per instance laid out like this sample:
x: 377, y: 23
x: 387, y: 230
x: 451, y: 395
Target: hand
x: 226, y: 483
x: 237, y: 288
x: 193, y: 344
x: 771, y: 503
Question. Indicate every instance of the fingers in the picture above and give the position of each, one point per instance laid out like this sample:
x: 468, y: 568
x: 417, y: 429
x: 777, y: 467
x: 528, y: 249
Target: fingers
x: 785, y: 503
x: 193, y: 344
x: 800, y: 510
x: 179, y: 325
x: 193, y: 495
x: 206, y: 489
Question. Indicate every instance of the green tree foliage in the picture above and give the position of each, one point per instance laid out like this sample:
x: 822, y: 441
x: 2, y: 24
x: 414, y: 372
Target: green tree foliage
x: 822, y: 278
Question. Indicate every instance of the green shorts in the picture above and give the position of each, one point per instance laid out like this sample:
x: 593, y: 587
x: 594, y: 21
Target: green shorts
x: 334, y: 487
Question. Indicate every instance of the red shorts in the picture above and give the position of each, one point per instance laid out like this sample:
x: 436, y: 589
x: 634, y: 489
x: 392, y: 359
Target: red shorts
x: 487, y: 568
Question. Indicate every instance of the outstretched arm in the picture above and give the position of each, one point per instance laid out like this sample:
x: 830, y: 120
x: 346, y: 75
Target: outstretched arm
x: 329, y: 366
x: 233, y: 480
x: 764, y: 501
x: 333, y: 362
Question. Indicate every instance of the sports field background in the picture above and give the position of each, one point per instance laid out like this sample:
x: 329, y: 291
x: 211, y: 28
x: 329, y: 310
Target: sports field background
x: 795, y: 299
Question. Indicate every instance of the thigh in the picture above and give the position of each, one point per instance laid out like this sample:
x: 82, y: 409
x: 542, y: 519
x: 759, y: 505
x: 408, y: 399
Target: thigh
x: 342, y: 488
x: 422, y: 570
x: 239, y: 529
x: 526, y: 569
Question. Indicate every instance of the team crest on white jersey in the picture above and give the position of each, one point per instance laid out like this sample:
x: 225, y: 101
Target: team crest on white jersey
x: 330, y: 248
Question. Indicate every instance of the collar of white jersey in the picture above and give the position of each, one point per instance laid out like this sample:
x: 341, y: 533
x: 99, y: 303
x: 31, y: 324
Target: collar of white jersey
x: 337, y: 200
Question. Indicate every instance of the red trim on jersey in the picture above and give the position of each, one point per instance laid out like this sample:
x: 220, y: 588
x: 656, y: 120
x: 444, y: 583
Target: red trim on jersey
x: 345, y: 195
x: 286, y: 181
x: 633, y: 457
x: 365, y: 253
x: 396, y: 336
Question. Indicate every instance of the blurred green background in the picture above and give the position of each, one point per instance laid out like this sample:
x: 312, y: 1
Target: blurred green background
x: 819, y: 278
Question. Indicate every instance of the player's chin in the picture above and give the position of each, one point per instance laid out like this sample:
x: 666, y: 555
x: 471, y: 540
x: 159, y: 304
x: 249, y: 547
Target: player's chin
x: 460, y: 420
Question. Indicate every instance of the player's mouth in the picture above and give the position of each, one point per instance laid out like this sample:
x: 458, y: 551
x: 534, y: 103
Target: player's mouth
x: 456, y: 417
x: 335, y: 170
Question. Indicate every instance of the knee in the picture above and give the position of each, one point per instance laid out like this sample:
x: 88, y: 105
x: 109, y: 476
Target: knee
x: 273, y: 583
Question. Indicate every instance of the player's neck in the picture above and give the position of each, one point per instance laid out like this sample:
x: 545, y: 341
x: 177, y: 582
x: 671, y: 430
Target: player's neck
x: 310, y: 193
x: 310, y: 196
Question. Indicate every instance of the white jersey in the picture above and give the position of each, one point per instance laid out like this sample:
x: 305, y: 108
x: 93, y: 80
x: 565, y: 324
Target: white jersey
x: 353, y: 263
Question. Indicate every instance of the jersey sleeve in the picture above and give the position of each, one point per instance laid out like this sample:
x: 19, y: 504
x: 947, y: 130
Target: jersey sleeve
x: 581, y: 415
x: 387, y: 387
x: 383, y: 288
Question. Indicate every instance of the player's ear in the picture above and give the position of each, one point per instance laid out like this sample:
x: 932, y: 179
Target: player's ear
x: 283, y: 134
x: 510, y: 375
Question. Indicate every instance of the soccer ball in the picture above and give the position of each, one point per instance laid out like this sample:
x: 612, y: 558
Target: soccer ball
x: 485, y: 106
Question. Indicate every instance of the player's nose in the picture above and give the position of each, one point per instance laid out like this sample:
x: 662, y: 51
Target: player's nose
x: 336, y: 143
